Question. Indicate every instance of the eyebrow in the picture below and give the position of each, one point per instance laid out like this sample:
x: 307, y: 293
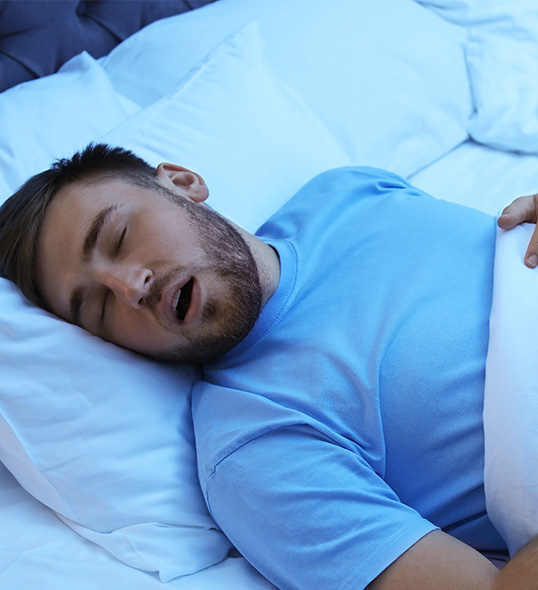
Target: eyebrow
x: 88, y: 246
x: 92, y: 235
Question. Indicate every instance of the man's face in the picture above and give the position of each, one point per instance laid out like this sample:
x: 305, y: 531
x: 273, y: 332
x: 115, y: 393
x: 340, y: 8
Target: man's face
x: 172, y: 280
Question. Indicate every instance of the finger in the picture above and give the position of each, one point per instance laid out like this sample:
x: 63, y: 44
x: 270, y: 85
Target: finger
x: 531, y: 256
x: 521, y: 210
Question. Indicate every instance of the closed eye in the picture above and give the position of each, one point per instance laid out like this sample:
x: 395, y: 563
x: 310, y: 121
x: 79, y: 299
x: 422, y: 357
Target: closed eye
x: 120, y: 242
x: 103, y: 307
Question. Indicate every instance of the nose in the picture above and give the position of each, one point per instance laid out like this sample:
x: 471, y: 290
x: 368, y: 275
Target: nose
x: 129, y: 284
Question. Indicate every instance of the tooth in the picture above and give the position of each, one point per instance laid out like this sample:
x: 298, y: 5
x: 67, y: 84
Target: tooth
x: 176, y: 298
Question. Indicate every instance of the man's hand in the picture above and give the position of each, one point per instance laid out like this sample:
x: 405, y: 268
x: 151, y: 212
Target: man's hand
x: 524, y: 209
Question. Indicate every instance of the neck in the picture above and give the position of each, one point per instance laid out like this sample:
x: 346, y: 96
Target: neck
x: 268, y: 262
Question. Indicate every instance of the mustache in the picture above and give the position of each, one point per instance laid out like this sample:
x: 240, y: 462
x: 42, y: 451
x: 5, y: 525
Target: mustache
x: 156, y: 289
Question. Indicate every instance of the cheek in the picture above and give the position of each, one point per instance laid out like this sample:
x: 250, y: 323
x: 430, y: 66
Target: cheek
x: 164, y: 233
x: 138, y: 331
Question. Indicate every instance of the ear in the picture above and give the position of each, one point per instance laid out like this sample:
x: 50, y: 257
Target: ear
x: 183, y: 181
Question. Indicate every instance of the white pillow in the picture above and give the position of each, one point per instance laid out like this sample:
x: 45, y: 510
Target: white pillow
x: 388, y: 77
x: 504, y: 80
x: 502, y: 58
x: 54, y: 116
x: 104, y: 438
x: 98, y: 434
x: 232, y: 120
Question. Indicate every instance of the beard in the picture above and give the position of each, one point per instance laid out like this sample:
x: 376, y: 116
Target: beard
x: 226, y: 320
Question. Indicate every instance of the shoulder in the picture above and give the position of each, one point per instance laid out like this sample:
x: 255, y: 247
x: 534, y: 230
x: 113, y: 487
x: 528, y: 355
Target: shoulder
x: 343, y: 186
x: 351, y: 176
x: 337, y: 186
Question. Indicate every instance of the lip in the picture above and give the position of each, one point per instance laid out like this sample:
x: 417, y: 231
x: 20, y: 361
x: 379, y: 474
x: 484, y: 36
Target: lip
x: 169, y: 301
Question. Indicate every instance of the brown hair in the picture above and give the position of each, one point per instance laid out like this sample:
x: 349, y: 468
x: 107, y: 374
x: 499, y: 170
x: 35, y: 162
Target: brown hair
x: 22, y: 214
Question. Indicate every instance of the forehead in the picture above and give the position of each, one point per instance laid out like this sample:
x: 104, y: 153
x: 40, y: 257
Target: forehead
x: 76, y: 206
x: 89, y: 196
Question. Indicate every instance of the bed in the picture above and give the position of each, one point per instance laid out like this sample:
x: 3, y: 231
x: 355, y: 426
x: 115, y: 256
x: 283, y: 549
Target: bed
x: 98, y: 483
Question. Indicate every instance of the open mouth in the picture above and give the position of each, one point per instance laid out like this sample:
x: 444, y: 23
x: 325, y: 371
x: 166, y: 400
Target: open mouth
x: 184, y: 300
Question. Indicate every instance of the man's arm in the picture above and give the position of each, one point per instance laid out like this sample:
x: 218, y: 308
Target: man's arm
x: 441, y: 562
x: 297, y: 507
x: 522, y: 572
x: 524, y: 209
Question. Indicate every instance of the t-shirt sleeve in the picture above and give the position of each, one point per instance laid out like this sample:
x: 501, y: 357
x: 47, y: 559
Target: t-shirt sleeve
x: 308, y: 513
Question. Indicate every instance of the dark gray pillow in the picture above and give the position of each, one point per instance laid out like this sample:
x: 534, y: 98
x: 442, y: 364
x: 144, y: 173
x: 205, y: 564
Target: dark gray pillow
x: 37, y: 37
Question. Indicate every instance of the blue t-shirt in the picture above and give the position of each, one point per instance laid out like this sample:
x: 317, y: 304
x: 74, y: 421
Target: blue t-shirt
x: 348, y: 423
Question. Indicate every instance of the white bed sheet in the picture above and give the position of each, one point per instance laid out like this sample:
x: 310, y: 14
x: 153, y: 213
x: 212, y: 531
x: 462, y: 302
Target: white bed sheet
x: 479, y: 176
x: 511, y: 394
x: 39, y: 552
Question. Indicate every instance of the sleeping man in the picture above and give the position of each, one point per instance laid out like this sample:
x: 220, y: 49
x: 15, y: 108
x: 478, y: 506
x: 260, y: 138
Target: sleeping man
x: 338, y: 415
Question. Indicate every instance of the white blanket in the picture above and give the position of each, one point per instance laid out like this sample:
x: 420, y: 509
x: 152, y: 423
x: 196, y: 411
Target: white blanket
x: 511, y: 397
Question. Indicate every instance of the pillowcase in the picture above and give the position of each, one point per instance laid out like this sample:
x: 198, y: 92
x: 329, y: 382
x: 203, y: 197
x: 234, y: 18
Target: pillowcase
x: 502, y: 59
x: 252, y: 138
x: 388, y: 78
x: 52, y: 117
x: 104, y: 438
